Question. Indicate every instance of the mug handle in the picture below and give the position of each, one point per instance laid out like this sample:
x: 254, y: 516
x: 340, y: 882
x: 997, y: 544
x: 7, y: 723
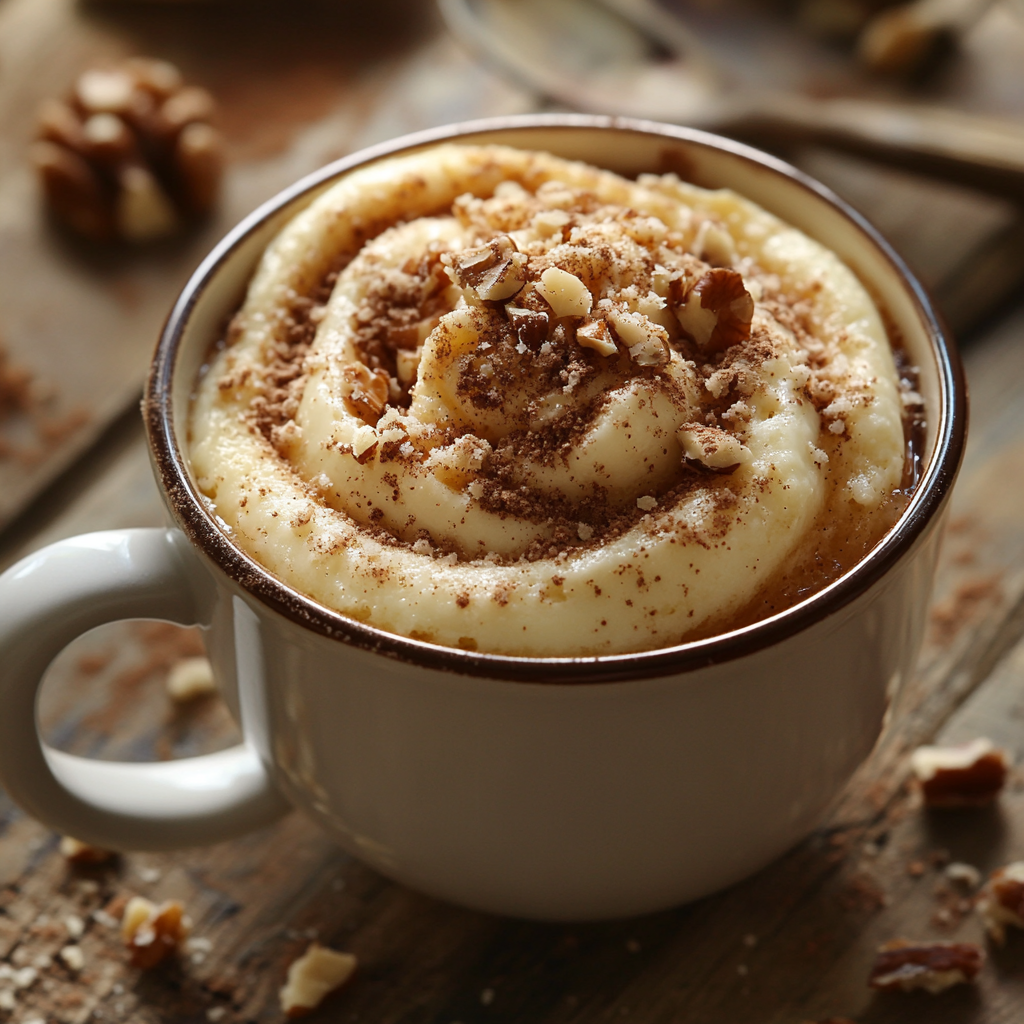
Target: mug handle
x: 46, y: 601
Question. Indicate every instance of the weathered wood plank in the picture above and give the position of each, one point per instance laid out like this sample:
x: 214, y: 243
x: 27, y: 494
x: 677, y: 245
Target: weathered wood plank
x: 294, y: 93
x: 792, y: 943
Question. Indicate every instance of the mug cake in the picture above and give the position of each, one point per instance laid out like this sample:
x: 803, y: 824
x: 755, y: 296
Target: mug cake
x: 492, y: 399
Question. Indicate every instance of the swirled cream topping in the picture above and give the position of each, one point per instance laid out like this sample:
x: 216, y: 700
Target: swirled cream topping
x: 492, y: 399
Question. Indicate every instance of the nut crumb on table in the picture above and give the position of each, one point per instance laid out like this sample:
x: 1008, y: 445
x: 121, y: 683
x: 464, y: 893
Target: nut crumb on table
x: 970, y: 775
x: 189, y: 679
x: 932, y: 966
x: 1001, y: 901
x: 313, y: 977
x: 151, y: 932
x: 77, y: 852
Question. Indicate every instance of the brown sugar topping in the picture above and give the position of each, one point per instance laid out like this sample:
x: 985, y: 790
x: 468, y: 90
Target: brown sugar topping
x: 524, y: 333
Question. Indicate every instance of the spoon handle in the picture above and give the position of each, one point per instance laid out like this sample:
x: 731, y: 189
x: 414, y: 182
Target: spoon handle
x: 985, y: 152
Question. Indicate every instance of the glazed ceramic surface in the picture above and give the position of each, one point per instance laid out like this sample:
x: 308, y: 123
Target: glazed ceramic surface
x: 549, y: 788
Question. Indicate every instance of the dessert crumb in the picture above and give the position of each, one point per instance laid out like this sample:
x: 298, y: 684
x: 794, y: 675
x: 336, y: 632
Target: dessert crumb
x: 929, y: 966
x: 77, y: 852
x: 150, y: 932
x: 970, y: 775
x: 313, y: 977
x: 190, y: 679
x: 1001, y: 901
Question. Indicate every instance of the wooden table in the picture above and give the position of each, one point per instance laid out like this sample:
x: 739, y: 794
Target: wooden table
x: 793, y: 943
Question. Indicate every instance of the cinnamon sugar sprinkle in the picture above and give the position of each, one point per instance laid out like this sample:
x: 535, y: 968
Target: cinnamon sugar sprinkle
x: 528, y: 354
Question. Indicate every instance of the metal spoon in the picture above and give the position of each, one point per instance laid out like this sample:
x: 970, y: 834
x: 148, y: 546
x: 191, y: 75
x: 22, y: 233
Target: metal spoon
x: 632, y: 57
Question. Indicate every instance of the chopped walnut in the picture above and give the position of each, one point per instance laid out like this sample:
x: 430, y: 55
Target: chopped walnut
x: 495, y: 271
x: 967, y: 876
x: 932, y: 966
x: 717, y: 312
x: 712, y: 447
x: 77, y: 852
x: 364, y: 391
x: 595, y: 335
x: 190, y: 679
x: 73, y: 957
x: 714, y: 244
x: 151, y: 932
x: 1001, y: 901
x: 646, y: 341
x: 407, y: 365
x: 364, y: 443
x: 129, y: 154
x: 313, y: 977
x: 531, y: 327
x: 565, y: 293
x: 971, y: 775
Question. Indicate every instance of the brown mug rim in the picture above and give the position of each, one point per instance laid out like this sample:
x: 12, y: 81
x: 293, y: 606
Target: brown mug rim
x: 200, y: 526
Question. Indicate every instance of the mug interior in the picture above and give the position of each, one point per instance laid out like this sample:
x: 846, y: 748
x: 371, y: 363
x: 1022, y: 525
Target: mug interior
x: 629, y: 148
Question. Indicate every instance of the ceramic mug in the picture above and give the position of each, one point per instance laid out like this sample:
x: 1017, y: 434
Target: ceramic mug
x: 549, y: 788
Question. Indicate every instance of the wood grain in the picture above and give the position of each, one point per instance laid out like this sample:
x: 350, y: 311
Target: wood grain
x: 794, y: 943
x: 294, y: 93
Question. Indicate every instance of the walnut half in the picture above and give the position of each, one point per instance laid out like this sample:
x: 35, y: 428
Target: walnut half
x: 130, y: 153
x: 717, y: 311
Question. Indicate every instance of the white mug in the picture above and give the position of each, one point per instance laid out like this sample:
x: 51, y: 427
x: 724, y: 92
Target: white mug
x: 549, y: 788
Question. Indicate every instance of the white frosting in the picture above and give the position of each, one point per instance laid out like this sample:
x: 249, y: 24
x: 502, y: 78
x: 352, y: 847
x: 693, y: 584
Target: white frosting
x: 398, y: 506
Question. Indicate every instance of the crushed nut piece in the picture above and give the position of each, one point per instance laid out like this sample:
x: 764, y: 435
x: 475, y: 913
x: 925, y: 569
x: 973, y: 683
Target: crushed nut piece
x: 73, y: 957
x: 932, y: 966
x: 189, y: 679
x: 153, y: 932
x: 1001, y: 901
x: 129, y: 155
x: 714, y: 244
x: 495, y: 271
x: 647, y: 341
x: 78, y: 852
x: 717, y: 311
x: 364, y: 391
x: 26, y: 977
x: 594, y: 334
x: 565, y: 293
x: 407, y: 365
x: 966, y: 875
x: 313, y: 977
x: 712, y: 447
x: 971, y: 775
x: 531, y: 327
